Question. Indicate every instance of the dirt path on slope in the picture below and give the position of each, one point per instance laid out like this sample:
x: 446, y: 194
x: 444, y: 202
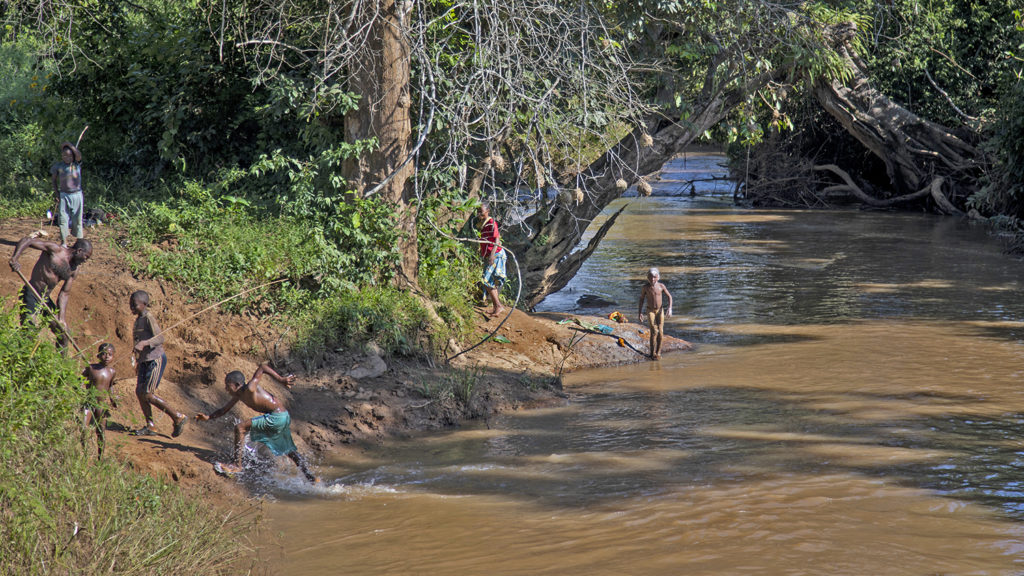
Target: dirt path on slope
x: 347, y: 397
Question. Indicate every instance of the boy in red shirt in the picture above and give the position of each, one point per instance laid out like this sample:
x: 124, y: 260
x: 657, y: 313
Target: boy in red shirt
x: 494, y: 258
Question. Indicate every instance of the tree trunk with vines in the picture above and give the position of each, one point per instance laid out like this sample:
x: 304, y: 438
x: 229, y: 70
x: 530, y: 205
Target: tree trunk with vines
x: 923, y: 160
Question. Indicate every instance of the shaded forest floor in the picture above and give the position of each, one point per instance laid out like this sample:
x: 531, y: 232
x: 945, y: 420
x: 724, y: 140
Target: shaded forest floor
x: 342, y: 399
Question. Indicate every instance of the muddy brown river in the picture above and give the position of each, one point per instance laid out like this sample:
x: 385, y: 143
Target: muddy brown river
x: 854, y: 405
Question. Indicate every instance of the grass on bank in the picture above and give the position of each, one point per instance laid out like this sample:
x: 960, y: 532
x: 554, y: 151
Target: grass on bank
x: 65, y: 513
x: 333, y: 269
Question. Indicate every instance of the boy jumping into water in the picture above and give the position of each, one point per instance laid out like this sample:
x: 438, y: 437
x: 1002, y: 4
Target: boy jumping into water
x: 271, y: 428
x: 99, y: 378
x: 149, y: 346
x: 651, y: 293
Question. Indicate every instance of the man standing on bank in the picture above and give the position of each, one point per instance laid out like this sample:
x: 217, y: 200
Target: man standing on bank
x: 494, y: 258
x: 69, y: 200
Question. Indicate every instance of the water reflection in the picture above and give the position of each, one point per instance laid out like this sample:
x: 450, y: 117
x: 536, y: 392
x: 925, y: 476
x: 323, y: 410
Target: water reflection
x: 792, y: 267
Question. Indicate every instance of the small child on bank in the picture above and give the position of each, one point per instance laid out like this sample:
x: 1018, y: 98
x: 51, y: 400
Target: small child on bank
x: 651, y: 294
x: 149, y: 347
x: 271, y: 428
x: 99, y: 378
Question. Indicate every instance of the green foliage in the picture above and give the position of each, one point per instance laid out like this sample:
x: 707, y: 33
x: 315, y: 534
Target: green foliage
x: 25, y: 150
x: 959, y: 44
x: 1004, y: 192
x: 456, y: 384
x: 354, y: 239
x: 394, y: 319
x: 65, y: 513
x: 449, y: 269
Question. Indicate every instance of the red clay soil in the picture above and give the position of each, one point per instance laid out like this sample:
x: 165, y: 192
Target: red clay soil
x: 334, y: 402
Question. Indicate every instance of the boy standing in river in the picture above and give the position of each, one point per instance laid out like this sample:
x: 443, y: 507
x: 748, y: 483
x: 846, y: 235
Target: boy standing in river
x: 149, y: 346
x: 651, y: 294
x: 272, y: 427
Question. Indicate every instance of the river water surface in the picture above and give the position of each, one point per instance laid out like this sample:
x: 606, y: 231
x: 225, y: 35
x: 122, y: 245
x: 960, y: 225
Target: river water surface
x: 854, y: 405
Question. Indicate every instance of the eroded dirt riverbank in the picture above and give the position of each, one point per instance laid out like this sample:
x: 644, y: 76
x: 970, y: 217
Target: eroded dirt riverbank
x: 346, y: 397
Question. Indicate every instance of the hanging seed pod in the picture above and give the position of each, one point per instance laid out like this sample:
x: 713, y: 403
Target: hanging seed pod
x: 643, y: 188
x: 646, y: 140
x: 621, y: 185
x: 579, y: 196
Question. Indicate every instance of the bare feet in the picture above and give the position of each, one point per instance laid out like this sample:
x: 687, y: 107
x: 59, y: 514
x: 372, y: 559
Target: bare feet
x: 229, y: 470
x: 179, y: 426
x: 496, y: 313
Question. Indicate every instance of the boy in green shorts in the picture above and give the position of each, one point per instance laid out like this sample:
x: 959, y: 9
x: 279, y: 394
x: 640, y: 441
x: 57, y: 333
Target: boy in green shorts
x: 271, y: 428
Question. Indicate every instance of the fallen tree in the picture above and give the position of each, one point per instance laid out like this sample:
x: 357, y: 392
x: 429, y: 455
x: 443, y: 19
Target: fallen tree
x: 546, y: 244
x: 924, y: 161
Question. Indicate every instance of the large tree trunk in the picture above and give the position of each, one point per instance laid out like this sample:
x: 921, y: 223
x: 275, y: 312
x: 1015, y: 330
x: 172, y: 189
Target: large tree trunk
x: 382, y: 82
x: 916, y: 153
x: 544, y: 248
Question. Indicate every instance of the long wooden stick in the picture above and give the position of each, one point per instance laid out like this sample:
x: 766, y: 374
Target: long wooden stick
x: 212, y: 306
x: 79, y: 142
x: 228, y: 299
x: 42, y: 302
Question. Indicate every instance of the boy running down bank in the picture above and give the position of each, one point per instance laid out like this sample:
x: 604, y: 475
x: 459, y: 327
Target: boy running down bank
x: 271, y: 428
x: 149, y: 346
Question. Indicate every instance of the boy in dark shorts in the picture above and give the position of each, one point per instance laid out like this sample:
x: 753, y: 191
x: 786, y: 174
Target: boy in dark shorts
x: 99, y: 380
x: 149, y: 348
x: 271, y: 428
x: 651, y: 294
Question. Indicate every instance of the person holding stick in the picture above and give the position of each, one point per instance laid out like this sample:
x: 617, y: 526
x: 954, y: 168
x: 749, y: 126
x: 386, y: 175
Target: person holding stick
x: 57, y: 263
x: 149, y: 346
x: 271, y: 428
x: 494, y: 258
x: 69, y: 200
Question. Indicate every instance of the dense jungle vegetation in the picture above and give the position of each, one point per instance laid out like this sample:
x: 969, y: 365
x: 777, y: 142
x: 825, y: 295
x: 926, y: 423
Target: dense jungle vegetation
x: 343, y: 145
x: 306, y: 140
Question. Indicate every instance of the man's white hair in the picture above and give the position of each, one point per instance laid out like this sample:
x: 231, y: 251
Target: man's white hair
x: 654, y: 272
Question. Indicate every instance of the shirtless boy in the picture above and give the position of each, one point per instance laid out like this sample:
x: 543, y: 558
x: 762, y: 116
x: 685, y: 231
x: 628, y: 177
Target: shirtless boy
x: 99, y: 378
x: 67, y: 191
x: 149, y: 347
x: 651, y: 294
x: 271, y: 428
x: 57, y: 263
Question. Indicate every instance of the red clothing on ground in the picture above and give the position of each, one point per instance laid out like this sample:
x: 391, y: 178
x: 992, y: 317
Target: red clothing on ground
x: 490, y: 236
